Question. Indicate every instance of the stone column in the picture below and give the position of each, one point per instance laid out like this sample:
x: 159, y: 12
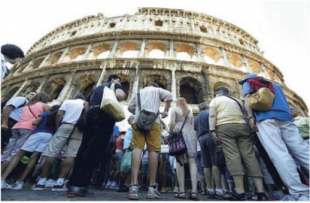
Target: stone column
x: 171, y: 51
x: 208, y: 94
x: 29, y: 66
x: 103, y: 72
x: 136, y: 80
x: 87, y: 52
x: 43, y: 83
x: 64, y: 92
x: 64, y: 55
x: 174, y: 84
x: 21, y: 88
x: 46, y: 60
x: 142, y: 49
x: 264, y: 70
x: 227, y: 63
x: 113, y: 51
x: 72, y: 91
x: 247, y: 64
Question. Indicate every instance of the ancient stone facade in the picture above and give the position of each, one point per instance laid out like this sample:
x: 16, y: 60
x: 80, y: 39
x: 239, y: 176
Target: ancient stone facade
x: 185, y: 52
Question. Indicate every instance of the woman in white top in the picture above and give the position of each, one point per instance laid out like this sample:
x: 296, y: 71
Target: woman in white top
x: 177, y: 118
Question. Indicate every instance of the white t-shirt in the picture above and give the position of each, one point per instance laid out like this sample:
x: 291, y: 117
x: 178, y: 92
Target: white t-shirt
x: 16, y: 102
x: 73, y: 110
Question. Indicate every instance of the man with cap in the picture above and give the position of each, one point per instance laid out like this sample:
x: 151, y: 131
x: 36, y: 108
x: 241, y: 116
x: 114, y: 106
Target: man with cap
x: 67, y: 134
x: 12, y: 54
x: 280, y: 138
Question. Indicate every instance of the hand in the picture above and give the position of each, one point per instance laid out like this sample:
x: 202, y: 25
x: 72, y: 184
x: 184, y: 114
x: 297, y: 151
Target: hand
x: 4, y: 127
x: 253, y: 124
x: 163, y: 114
x: 215, y: 138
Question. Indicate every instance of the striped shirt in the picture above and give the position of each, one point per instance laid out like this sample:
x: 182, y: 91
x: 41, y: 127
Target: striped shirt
x: 150, y: 101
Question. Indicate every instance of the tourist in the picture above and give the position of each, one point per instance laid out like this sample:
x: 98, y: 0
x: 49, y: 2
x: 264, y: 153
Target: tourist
x: 12, y: 112
x: 280, y: 138
x: 163, y: 158
x: 96, y: 136
x: 180, y: 114
x: 212, y: 160
x: 230, y: 132
x: 12, y: 54
x: 151, y: 96
x: 302, y: 123
x: 67, y: 134
x: 22, y: 130
x: 126, y: 147
x: 35, y: 144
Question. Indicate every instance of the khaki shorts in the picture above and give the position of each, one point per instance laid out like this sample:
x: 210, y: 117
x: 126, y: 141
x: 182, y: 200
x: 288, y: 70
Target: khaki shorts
x: 60, y: 139
x: 152, y: 139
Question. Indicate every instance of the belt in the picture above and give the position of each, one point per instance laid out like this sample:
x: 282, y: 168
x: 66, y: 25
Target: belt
x: 94, y: 106
x: 67, y: 123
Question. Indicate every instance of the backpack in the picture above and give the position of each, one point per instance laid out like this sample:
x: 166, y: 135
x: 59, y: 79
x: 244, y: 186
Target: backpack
x: 146, y: 119
x: 262, y: 96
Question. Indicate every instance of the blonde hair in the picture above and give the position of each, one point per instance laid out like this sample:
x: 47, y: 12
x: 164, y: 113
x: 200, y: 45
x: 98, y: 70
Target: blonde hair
x: 181, y: 103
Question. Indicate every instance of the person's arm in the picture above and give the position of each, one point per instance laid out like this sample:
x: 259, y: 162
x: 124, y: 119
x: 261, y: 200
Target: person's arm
x: 167, y: 97
x: 251, y: 116
x: 5, y: 117
x: 172, y: 121
x: 166, y: 110
x: 120, y: 94
x: 46, y: 108
x: 37, y: 121
x: 59, y: 116
x: 212, y: 124
x: 132, y: 104
x: 86, y: 106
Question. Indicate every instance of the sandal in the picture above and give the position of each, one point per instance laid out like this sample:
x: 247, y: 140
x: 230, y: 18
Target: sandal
x: 178, y: 195
x: 193, y: 198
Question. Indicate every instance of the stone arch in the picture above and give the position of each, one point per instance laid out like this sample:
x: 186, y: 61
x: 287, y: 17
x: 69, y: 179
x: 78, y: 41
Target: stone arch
x: 55, y: 57
x: 54, y: 87
x: 100, y: 49
x: 156, y: 46
x: 75, y: 54
x: 213, y: 54
x: 9, y: 94
x: 157, y: 78
x: 185, y: 49
x: 191, y: 89
x: 125, y: 82
x: 255, y: 67
x: 86, y: 84
x: 129, y: 46
x: 271, y: 74
x: 38, y: 62
x: 235, y: 60
x: 32, y: 87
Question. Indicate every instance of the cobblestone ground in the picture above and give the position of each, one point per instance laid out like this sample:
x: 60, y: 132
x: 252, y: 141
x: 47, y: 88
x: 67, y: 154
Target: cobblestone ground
x: 108, y: 195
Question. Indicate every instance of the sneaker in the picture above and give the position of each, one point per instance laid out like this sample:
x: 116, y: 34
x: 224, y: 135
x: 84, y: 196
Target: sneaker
x: 153, y: 193
x: 123, y: 189
x: 238, y: 197
x: 59, y: 188
x: 288, y: 198
x: 79, y: 192
x: 18, y: 185
x: 107, y: 186
x: 278, y: 194
x: 50, y: 183
x: 38, y: 187
x: 303, y: 197
x: 219, y: 192
x: 253, y: 196
x: 133, y: 192
x: 113, y: 184
x: 210, y: 192
x: 5, y: 186
x: 262, y: 197
x: 176, y: 190
x: 115, y: 187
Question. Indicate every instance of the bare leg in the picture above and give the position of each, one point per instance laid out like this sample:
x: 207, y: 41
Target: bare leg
x: 4, y: 165
x: 66, y: 166
x: 193, y: 173
x: 207, y: 173
x: 202, y: 182
x: 217, y: 177
x: 181, y: 176
x: 46, y: 166
x: 11, y: 165
x: 259, y: 185
x: 239, y: 184
x: 30, y: 166
x: 116, y: 176
x: 135, y: 165
x: 153, y: 164
x: 224, y: 183
x: 162, y: 170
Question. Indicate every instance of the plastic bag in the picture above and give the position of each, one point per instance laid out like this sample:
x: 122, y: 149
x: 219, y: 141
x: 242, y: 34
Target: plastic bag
x: 126, y: 162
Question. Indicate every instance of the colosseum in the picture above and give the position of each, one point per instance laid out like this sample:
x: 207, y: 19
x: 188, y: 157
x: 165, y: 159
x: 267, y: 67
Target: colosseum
x: 185, y: 52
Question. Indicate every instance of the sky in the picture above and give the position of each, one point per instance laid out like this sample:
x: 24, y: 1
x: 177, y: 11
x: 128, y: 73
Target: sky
x: 281, y: 27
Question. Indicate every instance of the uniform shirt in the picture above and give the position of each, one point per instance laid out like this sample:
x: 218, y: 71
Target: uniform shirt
x: 303, y: 126
x: 16, y: 102
x: 73, y: 110
x: 227, y: 110
x: 95, y: 96
x: 202, y: 123
x: 280, y: 108
x: 128, y: 138
x: 150, y: 101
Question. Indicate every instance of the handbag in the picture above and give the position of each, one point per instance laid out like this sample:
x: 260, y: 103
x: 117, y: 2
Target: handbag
x: 176, y: 142
x: 110, y: 104
x: 262, y: 100
x: 126, y: 162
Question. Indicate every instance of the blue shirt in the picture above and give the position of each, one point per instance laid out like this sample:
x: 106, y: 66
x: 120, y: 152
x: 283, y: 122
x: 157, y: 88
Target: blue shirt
x: 202, y: 123
x: 115, y: 133
x: 280, y: 108
x: 42, y: 127
x: 128, y: 138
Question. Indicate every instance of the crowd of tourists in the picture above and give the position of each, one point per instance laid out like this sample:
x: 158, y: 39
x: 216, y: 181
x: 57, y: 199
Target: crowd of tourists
x: 233, y: 149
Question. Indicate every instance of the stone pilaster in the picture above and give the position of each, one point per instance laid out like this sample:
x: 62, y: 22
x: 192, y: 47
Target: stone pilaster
x: 247, y: 64
x: 42, y: 84
x: 103, y: 72
x: 113, y: 52
x: 142, y: 49
x: 64, y: 92
x: 87, y: 52
x: 72, y: 91
x: 29, y: 66
x: 207, y: 96
x: 264, y: 70
x: 171, y: 50
x: 64, y: 55
x: 136, y: 81
x: 174, y: 84
x: 22, y: 88
x: 227, y: 63
x: 46, y: 60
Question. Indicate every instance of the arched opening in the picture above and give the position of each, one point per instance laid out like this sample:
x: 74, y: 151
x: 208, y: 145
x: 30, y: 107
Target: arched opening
x: 87, y: 83
x: 185, y: 53
x: 37, y: 63
x: 129, y: 50
x: 191, y: 90
x: 235, y: 61
x: 75, y: 54
x: 55, y: 87
x: 125, y: 86
x: 212, y: 56
x: 10, y: 93
x: 158, y: 79
x: 101, y: 51
x: 55, y: 58
x: 271, y: 74
x: 32, y: 87
x: 156, y: 50
x: 256, y: 68
x: 87, y: 90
